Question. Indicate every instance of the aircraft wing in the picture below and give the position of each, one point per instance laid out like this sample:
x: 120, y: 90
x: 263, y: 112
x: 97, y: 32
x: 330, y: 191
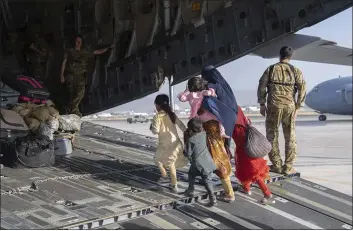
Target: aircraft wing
x: 310, y: 49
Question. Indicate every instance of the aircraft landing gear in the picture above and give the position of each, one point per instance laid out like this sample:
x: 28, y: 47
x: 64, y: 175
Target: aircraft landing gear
x: 322, y: 117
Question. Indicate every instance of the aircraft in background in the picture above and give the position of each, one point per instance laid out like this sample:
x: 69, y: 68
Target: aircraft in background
x: 333, y: 96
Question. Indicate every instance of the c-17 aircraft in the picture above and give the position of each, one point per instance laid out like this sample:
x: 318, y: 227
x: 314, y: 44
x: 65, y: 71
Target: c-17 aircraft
x: 155, y: 39
x: 333, y: 96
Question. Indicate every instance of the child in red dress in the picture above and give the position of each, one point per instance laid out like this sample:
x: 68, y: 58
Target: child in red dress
x: 249, y: 170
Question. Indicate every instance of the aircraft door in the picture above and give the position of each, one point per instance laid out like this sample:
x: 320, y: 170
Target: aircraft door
x: 346, y: 93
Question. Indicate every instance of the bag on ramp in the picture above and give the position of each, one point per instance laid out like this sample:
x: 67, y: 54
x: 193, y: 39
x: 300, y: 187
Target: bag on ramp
x: 70, y: 123
x: 257, y: 145
x: 34, y: 152
x: 29, y: 152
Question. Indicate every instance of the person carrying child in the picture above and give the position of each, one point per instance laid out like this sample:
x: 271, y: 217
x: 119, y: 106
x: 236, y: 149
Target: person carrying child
x: 196, y: 150
x: 249, y: 170
x: 169, y: 154
x: 198, y: 89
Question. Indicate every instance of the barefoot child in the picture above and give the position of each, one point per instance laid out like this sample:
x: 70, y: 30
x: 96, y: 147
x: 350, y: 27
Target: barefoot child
x: 201, y: 161
x: 169, y: 152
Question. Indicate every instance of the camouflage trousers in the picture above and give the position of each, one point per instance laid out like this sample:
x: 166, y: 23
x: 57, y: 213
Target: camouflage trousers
x: 285, y: 116
x: 76, y: 94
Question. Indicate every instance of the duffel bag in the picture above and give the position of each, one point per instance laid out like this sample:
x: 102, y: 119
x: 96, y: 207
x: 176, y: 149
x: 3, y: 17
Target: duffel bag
x: 31, y: 152
x: 257, y: 145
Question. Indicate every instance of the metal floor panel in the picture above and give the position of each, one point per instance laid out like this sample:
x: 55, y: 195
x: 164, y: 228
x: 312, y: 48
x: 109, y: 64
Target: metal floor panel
x: 110, y: 181
x: 243, y: 214
x: 310, y: 218
x: 326, y: 190
x: 318, y: 200
x: 171, y: 219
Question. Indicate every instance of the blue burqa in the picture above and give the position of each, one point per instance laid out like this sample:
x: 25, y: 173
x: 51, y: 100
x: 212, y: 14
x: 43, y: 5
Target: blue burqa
x: 224, y: 107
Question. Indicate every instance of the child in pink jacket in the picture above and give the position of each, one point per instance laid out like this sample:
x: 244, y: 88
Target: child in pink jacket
x: 195, y: 101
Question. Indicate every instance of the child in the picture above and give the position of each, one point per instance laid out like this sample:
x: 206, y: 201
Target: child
x: 195, y: 96
x: 169, y: 152
x: 200, y: 158
x: 249, y: 170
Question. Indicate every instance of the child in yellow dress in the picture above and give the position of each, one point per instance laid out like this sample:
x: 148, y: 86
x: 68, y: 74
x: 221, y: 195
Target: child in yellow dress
x: 169, y: 154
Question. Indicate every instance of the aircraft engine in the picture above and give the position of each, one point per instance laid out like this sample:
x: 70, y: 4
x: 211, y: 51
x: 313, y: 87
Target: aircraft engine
x: 346, y: 93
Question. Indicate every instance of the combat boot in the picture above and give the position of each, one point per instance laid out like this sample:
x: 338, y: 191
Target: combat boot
x: 288, y: 170
x: 276, y: 169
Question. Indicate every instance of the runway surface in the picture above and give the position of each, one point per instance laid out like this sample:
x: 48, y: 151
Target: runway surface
x: 324, y: 148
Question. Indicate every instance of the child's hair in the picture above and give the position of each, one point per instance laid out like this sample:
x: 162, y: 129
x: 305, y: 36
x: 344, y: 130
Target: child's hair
x: 163, y: 102
x: 194, y: 126
x: 196, y: 84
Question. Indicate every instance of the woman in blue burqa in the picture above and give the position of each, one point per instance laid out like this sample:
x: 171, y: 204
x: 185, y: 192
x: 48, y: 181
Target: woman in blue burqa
x: 225, y: 106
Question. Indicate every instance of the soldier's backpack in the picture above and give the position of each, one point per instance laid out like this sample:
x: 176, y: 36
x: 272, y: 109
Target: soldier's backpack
x: 31, y: 91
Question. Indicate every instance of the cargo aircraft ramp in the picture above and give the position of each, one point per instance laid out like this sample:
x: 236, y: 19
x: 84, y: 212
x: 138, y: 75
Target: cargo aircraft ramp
x: 110, y: 182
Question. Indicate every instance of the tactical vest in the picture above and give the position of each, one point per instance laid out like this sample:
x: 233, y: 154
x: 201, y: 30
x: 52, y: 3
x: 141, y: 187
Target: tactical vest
x: 294, y: 83
x: 76, y: 62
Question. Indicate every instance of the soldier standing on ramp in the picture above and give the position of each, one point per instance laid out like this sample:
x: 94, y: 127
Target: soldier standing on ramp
x: 280, y: 83
x: 73, y: 72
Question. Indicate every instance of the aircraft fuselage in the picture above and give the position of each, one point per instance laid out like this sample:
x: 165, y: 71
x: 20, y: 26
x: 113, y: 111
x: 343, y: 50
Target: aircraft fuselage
x: 332, y: 96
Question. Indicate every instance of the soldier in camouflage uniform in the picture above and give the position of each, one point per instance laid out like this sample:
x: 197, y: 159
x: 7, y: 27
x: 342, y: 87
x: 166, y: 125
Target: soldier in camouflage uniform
x: 37, y: 57
x: 73, y: 73
x: 280, y: 83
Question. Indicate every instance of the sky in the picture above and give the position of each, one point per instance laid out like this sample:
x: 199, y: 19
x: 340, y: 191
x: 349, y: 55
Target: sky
x: 243, y: 76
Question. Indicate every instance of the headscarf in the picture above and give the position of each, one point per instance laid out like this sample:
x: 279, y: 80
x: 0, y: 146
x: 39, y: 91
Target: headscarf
x: 224, y: 107
x: 223, y: 90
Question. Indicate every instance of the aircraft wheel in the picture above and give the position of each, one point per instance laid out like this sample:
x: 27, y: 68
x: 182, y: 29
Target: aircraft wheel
x: 322, y: 118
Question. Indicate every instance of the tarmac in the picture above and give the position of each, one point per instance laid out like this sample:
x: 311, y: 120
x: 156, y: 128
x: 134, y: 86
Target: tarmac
x: 324, y: 148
